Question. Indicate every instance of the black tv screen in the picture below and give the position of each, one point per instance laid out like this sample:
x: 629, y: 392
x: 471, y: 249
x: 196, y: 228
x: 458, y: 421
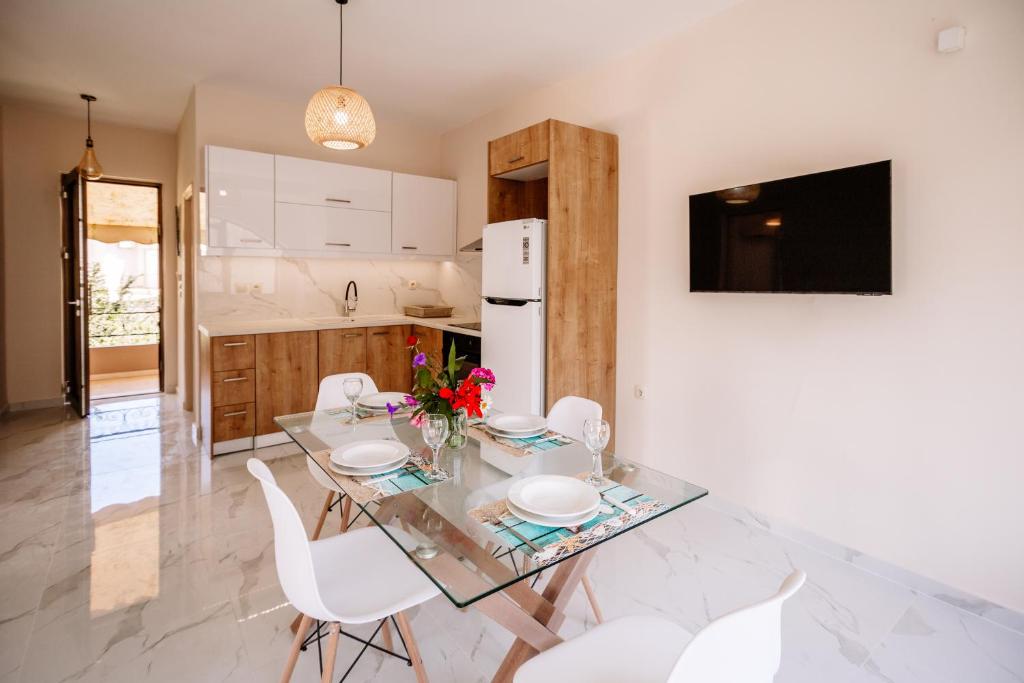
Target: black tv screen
x: 827, y: 232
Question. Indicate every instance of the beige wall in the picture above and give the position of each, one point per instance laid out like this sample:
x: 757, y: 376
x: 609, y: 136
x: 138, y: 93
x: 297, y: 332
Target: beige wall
x: 3, y: 322
x: 105, y: 360
x: 185, y: 172
x: 38, y: 147
x: 889, y: 424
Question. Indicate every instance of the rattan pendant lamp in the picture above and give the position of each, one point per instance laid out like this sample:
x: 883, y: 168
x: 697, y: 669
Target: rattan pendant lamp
x: 338, y: 117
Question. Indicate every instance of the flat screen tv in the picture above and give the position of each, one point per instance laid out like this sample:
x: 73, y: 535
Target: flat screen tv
x: 827, y: 232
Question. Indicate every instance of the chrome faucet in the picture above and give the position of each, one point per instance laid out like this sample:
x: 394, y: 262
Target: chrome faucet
x: 351, y: 302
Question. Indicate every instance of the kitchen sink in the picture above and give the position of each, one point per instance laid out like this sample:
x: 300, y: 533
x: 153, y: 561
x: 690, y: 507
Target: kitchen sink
x: 355, y: 319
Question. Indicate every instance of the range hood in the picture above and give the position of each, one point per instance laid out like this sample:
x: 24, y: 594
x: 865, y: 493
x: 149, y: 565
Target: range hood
x: 474, y: 247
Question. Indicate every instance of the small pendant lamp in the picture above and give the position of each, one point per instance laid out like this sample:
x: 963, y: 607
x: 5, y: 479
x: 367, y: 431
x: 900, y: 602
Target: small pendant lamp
x: 89, y: 166
x: 338, y: 117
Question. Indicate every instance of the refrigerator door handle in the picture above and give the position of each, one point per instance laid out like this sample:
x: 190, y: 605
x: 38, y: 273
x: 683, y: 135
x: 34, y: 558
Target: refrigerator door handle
x: 498, y: 301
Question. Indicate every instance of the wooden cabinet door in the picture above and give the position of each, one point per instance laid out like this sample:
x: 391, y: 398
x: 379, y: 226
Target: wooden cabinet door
x: 342, y: 351
x: 286, y: 376
x: 422, y: 216
x: 430, y: 342
x: 387, y: 359
x: 525, y: 147
x: 240, y: 196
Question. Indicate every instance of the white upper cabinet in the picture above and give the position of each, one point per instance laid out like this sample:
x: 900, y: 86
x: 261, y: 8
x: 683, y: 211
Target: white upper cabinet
x: 240, y: 198
x: 322, y: 183
x: 423, y: 216
x: 329, y: 231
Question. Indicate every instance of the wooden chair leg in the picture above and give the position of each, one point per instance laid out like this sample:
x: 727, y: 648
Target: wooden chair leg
x: 293, y: 655
x: 346, y: 510
x: 410, y: 645
x: 385, y: 634
x: 323, y: 515
x: 332, y: 653
x: 592, y: 598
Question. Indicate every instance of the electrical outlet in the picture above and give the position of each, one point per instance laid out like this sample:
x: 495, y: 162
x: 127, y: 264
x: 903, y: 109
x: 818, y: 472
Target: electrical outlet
x: 412, y: 284
x: 256, y: 288
x: 640, y: 392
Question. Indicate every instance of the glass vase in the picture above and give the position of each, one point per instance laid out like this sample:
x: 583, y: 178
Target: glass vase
x: 459, y: 432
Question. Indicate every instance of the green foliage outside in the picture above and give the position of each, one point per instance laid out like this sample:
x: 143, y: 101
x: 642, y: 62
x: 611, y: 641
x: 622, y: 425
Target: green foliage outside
x: 129, y: 321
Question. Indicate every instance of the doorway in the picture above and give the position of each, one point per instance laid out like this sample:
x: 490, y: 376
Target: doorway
x: 124, y: 271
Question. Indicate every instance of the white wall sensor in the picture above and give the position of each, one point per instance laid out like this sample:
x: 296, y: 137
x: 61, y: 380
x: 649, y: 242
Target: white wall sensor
x: 952, y: 39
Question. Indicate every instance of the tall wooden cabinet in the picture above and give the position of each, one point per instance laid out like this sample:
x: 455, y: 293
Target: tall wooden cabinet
x: 568, y: 175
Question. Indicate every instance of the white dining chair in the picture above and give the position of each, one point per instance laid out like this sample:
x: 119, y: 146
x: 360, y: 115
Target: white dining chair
x: 320, y: 579
x: 567, y: 417
x: 744, y: 646
x: 331, y: 395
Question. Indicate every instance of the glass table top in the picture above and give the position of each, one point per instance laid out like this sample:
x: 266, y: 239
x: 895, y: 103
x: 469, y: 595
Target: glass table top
x: 467, y: 559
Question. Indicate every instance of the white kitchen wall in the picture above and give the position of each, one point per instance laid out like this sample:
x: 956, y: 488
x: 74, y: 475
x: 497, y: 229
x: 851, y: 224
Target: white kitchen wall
x: 260, y: 288
x: 888, y: 424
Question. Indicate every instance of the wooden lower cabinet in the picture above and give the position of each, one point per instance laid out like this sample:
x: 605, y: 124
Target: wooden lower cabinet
x: 342, y: 351
x: 430, y: 343
x: 233, y: 421
x: 287, y: 376
x: 387, y: 358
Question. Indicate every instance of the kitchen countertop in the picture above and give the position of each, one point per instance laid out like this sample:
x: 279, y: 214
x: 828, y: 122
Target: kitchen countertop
x: 231, y: 327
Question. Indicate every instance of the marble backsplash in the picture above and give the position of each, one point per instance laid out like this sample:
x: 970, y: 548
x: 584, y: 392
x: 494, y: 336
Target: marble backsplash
x: 263, y: 288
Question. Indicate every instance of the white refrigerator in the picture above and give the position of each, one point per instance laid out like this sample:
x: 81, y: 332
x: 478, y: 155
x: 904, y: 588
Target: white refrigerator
x: 512, y: 313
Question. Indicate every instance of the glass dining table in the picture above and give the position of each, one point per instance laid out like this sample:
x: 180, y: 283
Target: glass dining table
x: 467, y: 543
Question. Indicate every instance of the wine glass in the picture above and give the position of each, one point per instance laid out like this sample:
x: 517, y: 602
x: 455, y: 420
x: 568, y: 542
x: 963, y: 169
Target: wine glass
x: 596, y: 433
x: 435, y: 433
x: 353, y: 388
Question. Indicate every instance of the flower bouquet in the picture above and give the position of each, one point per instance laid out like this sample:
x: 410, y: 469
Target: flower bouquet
x: 436, y: 391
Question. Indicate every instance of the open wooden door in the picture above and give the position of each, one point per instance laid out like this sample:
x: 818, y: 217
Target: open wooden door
x: 76, y: 292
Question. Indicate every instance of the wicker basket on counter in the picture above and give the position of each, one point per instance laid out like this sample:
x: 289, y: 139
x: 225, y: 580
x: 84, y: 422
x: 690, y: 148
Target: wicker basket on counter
x: 428, y: 311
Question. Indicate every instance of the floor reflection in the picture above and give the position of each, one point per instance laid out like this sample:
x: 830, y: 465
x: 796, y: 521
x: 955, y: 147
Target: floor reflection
x: 124, y: 468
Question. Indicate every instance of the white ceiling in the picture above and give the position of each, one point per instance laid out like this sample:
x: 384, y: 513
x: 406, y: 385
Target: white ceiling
x: 435, y: 64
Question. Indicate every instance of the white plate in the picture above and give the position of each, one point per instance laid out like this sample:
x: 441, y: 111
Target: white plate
x: 515, y: 435
x: 554, y: 495
x: 366, y: 472
x: 380, y: 401
x: 551, y: 521
x: 371, y: 454
x: 517, y: 424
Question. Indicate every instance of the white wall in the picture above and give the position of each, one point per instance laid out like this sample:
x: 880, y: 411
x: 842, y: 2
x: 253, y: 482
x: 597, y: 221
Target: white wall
x: 889, y: 424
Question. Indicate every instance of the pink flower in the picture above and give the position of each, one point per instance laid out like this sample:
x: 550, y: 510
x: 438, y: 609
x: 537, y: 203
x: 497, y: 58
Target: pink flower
x: 411, y: 401
x: 417, y: 420
x: 484, y: 377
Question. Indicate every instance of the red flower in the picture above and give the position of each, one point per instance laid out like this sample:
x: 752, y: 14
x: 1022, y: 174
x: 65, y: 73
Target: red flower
x: 445, y: 393
x: 411, y: 341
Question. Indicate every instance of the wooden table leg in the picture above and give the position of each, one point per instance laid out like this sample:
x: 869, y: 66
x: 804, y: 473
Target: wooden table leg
x: 346, y: 510
x: 323, y: 515
x: 559, y: 590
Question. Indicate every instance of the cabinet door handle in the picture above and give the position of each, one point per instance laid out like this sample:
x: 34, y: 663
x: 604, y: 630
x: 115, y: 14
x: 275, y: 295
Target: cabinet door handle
x: 353, y: 334
x: 337, y: 244
x: 410, y: 248
x: 236, y: 413
x: 340, y: 201
x: 518, y: 158
x: 250, y: 241
x: 234, y: 379
x: 380, y: 334
x: 227, y: 344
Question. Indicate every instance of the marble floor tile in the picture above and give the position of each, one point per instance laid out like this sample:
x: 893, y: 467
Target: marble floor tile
x: 146, y: 561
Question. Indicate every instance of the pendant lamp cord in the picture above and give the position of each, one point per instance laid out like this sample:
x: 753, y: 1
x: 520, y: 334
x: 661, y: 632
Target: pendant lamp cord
x: 341, y: 42
x: 88, y: 120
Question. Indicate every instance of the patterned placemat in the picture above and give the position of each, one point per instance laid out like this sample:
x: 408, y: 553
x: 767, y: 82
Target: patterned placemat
x: 519, y: 447
x: 559, y: 542
x: 376, y: 487
x: 363, y: 415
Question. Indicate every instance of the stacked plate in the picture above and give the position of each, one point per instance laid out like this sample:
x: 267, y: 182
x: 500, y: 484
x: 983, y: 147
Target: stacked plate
x: 553, y: 500
x: 363, y: 458
x: 516, y: 426
x: 377, y: 404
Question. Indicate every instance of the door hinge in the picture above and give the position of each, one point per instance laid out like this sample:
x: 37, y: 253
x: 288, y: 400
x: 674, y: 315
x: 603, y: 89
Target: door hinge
x: 63, y: 194
x: 66, y: 254
x: 65, y: 387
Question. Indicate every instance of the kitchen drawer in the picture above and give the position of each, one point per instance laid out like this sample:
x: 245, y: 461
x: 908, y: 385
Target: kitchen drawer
x: 234, y: 386
x: 323, y: 183
x: 233, y: 353
x: 330, y: 230
x: 234, y: 421
x: 523, y: 148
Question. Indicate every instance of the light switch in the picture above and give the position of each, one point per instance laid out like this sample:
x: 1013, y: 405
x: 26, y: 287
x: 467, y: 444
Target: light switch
x: 952, y: 39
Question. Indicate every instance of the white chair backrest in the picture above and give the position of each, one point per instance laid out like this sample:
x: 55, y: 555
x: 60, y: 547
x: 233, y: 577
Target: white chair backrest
x: 744, y: 646
x: 291, y: 547
x: 570, y: 412
x: 331, y: 394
